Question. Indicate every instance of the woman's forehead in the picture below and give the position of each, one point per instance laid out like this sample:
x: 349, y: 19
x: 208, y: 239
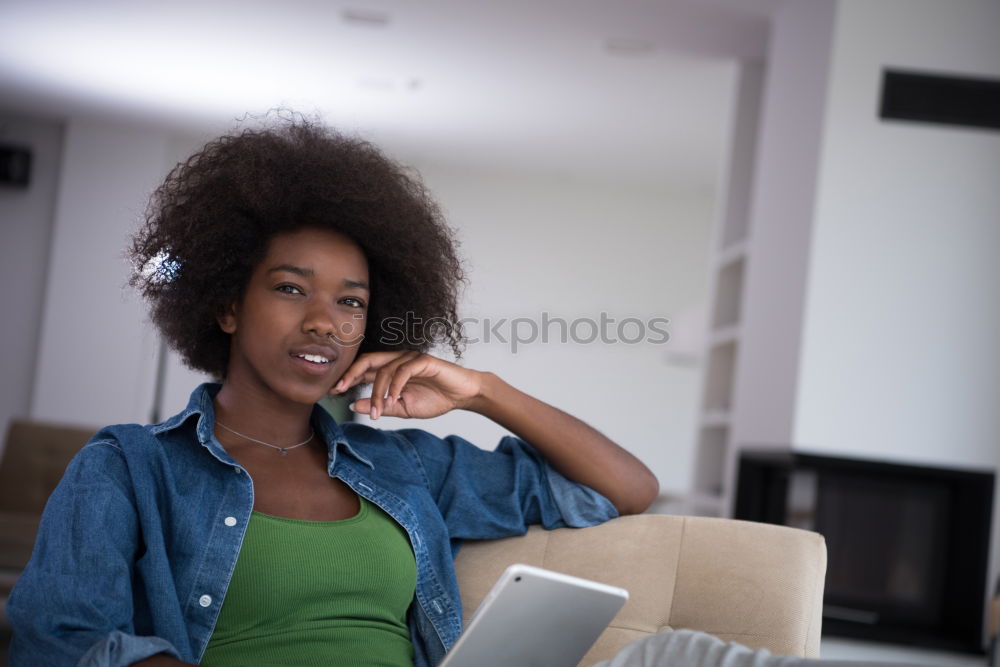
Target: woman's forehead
x: 311, y: 252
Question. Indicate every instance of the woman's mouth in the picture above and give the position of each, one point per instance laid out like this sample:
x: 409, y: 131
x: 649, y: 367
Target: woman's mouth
x: 314, y: 358
x: 312, y: 363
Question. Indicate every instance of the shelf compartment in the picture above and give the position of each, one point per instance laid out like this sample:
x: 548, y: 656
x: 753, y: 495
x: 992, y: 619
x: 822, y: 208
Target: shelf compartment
x: 719, y: 382
x: 728, y: 294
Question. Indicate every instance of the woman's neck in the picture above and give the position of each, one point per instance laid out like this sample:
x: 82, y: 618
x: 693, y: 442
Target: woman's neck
x: 261, y: 416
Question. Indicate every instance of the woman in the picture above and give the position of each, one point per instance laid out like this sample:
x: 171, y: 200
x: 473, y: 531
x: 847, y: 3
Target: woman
x: 250, y: 529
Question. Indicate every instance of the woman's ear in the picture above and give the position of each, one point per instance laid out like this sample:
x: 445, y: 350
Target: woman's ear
x: 227, y: 320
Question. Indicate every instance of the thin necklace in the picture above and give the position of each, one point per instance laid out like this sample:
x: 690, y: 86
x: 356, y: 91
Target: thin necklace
x: 282, y: 450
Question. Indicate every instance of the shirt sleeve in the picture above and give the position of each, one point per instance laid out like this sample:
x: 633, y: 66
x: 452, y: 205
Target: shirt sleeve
x: 73, y: 604
x: 491, y: 494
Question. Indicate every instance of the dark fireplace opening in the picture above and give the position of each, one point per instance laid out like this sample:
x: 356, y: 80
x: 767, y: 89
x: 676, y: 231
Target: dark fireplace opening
x: 908, y: 545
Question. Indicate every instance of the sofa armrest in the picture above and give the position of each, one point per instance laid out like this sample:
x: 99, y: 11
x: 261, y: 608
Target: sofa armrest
x: 755, y: 584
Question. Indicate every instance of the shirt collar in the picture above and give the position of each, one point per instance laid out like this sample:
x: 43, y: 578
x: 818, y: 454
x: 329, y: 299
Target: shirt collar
x: 200, y: 405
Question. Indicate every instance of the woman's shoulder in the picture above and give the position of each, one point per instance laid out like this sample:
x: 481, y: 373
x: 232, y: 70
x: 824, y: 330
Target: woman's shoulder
x: 134, y: 435
x: 128, y: 456
x: 107, y: 460
x: 111, y: 440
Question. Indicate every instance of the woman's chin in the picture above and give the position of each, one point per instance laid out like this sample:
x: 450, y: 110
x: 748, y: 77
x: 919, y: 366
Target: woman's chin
x: 310, y: 398
x: 307, y: 395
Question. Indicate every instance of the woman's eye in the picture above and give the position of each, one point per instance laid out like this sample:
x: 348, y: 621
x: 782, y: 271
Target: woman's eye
x: 353, y: 302
x: 289, y: 289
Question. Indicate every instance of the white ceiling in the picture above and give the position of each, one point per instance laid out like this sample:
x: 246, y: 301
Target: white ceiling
x: 514, y: 84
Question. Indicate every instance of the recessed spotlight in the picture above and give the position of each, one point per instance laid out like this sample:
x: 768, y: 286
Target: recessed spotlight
x: 371, y: 18
x: 628, y: 46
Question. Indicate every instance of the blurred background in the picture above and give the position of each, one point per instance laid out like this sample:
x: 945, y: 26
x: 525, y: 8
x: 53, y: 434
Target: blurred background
x: 576, y: 147
x: 830, y: 276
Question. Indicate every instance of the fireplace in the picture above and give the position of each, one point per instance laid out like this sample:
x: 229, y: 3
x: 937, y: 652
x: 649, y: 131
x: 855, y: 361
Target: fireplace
x: 908, y: 545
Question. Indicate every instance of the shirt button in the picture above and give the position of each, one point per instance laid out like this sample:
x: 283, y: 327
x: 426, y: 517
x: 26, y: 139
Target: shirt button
x: 205, y: 600
x: 230, y: 521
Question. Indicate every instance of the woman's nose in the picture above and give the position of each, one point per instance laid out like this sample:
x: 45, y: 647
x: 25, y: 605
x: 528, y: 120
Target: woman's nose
x: 320, y: 320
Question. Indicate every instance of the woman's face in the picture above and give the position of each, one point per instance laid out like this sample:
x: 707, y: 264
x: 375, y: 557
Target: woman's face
x: 301, y: 319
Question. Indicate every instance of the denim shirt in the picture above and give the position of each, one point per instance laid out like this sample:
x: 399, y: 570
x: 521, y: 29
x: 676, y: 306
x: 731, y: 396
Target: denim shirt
x: 139, y: 540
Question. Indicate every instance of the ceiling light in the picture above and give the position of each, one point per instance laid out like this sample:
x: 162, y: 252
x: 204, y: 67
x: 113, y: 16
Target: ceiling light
x: 629, y: 46
x: 365, y: 17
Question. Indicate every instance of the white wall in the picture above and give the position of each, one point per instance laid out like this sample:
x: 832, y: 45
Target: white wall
x: 96, y: 356
x: 26, y: 227
x: 781, y: 210
x: 574, y: 250
x: 900, y: 358
x: 901, y: 327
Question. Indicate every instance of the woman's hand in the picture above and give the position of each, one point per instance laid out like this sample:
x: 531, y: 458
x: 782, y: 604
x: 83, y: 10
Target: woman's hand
x: 410, y: 384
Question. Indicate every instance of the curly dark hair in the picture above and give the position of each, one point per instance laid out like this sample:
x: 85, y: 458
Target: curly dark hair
x: 211, y: 221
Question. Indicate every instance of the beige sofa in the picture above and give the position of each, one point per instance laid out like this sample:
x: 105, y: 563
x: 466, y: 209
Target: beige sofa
x: 757, y: 584
x: 34, y: 458
x: 752, y: 583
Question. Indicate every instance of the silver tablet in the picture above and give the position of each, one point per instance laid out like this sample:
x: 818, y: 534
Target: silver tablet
x: 536, y: 618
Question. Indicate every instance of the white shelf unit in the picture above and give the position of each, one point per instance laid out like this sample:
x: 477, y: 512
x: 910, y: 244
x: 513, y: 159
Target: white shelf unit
x: 710, y: 491
x: 714, y: 459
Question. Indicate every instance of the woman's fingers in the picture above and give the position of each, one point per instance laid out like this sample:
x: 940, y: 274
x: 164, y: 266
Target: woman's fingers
x: 363, y: 406
x: 363, y: 369
x: 414, y: 367
x: 403, y: 373
x: 442, y: 386
x: 383, y: 379
x: 377, y: 368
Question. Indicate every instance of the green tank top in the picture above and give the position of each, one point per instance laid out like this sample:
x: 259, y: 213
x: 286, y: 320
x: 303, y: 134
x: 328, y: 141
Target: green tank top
x: 318, y: 593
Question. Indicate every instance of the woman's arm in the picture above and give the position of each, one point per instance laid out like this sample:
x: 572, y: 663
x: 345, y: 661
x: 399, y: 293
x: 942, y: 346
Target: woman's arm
x: 73, y: 603
x: 409, y: 384
x: 575, y: 449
